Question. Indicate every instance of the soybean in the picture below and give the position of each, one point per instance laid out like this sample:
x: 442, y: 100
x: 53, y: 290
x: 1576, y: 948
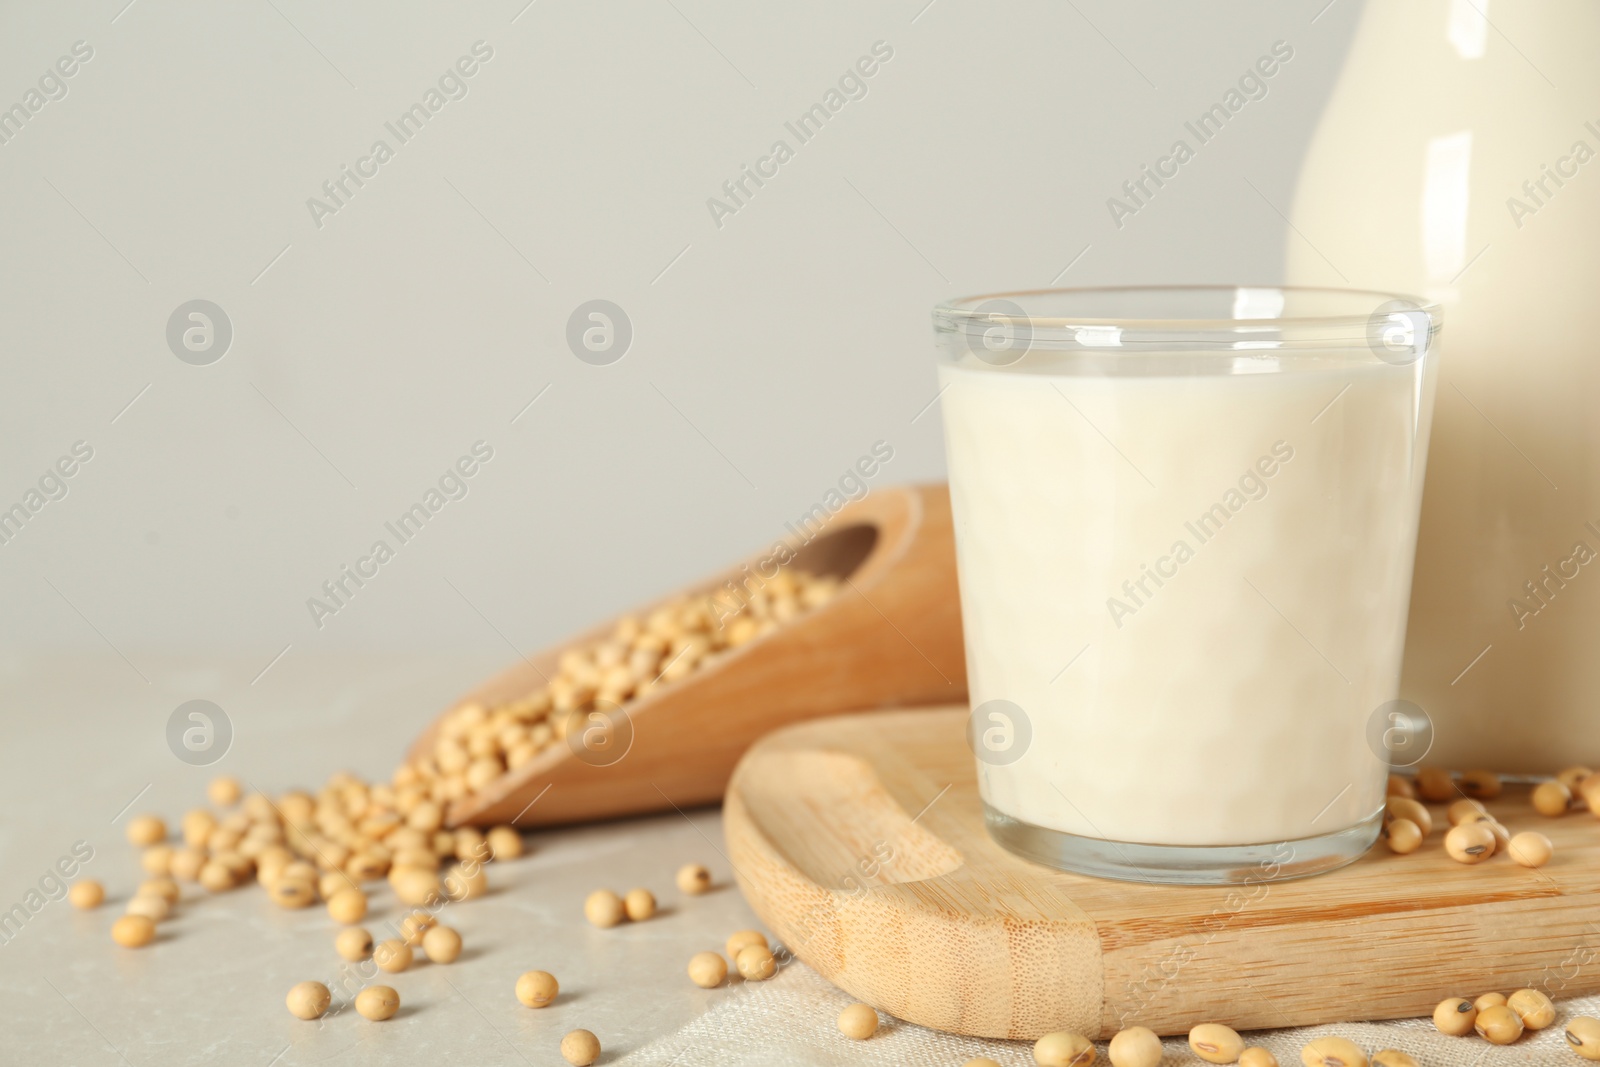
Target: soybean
x: 504, y: 843
x: 1402, y: 836
x: 858, y: 1022
x: 291, y: 892
x: 1063, y: 1049
x: 217, y: 878
x: 707, y: 969
x: 241, y: 867
x: 1471, y: 842
x: 1402, y: 808
x: 153, y: 908
x: 133, y: 931
x: 536, y: 989
x: 1134, y: 1047
x: 1589, y: 791
x: 87, y: 894
x: 693, y: 879
x: 1583, y: 1035
x: 1552, y: 798
x: 471, y: 844
x: 329, y: 885
x: 1498, y: 1025
x: 1216, y: 1043
x: 415, y: 926
x: 1572, y: 777
x: 1434, y: 783
x: 426, y: 817
x: 604, y: 908
x: 413, y: 856
x: 466, y: 881
x: 580, y: 1048
x: 1465, y: 809
x: 187, y: 864
x: 1393, y: 1057
x: 1530, y: 849
x: 348, y: 906
x: 1533, y: 1008
x: 1482, y: 784
x: 639, y: 904
x: 441, y: 944
x: 377, y: 1002
x: 1333, y: 1052
x: 756, y: 963
x: 157, y: 860
x: 354, y: 944
x: 224, y: 791
x: 308, y: 1000
x: 741, y: 938
x: 392, y: 955
x: 197, y: 827
x: 165, y: 888
x: 146, y: 830
x: 366, y: 866
x: 414, y: 885
x: 1454, y: 1016
x: 1256, y: 1056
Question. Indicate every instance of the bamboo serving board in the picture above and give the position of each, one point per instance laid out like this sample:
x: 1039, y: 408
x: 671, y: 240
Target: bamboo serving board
x: 860, y: 841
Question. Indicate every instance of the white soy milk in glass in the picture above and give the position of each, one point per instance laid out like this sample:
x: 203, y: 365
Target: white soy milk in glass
x: 1184, y: 568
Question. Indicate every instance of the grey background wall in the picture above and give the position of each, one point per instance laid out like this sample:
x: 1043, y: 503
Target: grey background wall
x: 374, y: 345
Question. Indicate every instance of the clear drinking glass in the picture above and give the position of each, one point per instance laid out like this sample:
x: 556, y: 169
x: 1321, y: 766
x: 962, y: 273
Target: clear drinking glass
x: 1185, y: 524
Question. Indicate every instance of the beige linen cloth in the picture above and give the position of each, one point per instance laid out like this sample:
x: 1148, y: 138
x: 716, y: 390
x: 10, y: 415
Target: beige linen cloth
x: 790, y: 1019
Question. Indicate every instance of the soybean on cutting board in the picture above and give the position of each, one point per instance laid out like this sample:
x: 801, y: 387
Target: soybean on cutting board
x: 860, y: 841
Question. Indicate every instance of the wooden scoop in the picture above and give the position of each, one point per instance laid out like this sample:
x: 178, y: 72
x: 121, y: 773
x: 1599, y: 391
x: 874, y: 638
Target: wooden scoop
x: 891, y: 636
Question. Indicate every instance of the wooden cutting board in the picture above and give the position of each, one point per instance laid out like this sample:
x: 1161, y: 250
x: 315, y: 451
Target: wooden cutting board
x: 860, y: 841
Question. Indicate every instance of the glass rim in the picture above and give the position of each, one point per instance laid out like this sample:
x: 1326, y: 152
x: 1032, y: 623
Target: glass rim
x: 964, y: 309
x: 1126, y: 321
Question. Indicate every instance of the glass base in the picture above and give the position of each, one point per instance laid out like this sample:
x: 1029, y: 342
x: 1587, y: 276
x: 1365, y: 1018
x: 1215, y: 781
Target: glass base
x: 1183, y: 864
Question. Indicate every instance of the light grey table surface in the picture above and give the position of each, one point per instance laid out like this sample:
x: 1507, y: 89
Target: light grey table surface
x: 84, y: 746
x: 85, y: 736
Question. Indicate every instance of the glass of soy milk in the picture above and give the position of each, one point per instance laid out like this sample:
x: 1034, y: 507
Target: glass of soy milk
x: 1185, y: 522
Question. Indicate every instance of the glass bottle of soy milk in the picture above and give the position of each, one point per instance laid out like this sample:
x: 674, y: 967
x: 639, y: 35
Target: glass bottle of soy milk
x: 1460, y: 159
